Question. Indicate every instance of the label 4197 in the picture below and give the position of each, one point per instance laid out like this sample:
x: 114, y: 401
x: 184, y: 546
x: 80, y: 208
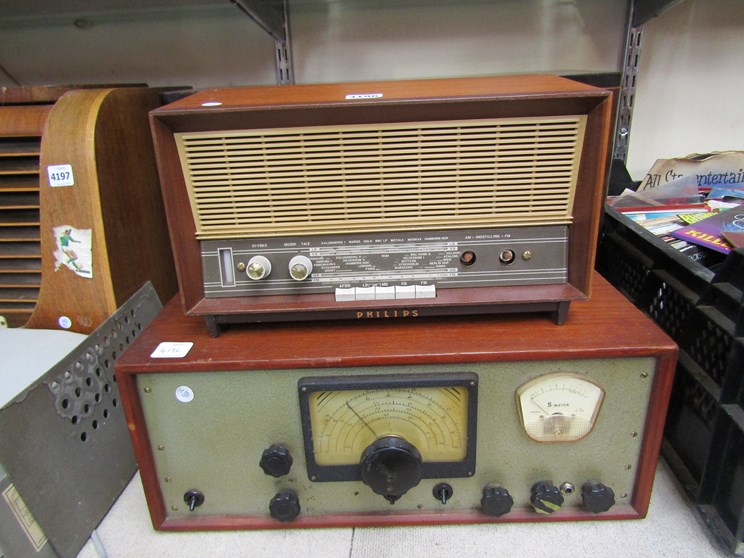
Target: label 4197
x: 60, y: 175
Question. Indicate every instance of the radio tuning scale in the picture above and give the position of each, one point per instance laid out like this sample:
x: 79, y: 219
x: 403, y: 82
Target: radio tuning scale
x: 364, y: 428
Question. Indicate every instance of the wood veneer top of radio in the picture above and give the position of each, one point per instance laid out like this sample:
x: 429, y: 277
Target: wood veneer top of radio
x: 511, y: 86
x: 604, y: 327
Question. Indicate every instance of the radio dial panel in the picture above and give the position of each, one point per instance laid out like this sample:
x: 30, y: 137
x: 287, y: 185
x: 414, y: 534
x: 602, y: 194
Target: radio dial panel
x: 388, y: 265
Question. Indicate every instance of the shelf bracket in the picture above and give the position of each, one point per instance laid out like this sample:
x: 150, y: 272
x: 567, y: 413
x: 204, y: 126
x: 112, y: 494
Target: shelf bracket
x: 275, y: 21
x: 639, y: 12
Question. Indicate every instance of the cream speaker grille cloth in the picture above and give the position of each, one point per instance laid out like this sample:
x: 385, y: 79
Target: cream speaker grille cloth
x: 382, y: 177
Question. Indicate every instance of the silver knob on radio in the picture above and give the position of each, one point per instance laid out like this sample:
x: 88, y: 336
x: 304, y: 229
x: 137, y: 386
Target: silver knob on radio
x: 300, y: 268
x: 258, y: 268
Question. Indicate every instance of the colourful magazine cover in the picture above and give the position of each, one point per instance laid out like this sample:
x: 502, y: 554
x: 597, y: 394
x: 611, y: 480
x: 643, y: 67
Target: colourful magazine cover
x: 710, y: 232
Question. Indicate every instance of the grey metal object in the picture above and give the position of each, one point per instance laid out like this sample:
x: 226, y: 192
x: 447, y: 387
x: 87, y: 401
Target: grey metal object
x: 284, y: 65
x: 64, y: 440
x: 275, y: 21
x: 627, y: 90
x: 649, y: 9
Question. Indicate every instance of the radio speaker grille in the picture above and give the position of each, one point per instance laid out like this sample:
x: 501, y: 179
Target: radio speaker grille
x: 382, y: 177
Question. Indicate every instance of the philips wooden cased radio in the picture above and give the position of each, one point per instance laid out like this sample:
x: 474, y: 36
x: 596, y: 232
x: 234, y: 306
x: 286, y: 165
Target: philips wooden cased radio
x: 384, y: 199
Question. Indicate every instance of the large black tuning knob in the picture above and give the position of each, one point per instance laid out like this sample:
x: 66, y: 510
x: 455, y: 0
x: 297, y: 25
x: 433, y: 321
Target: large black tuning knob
x: 546, y: 497
x: 390, y: 467
x: 597, y: 497
x: 285, y: 505
x: 276, y: 460
x: 496, y: 501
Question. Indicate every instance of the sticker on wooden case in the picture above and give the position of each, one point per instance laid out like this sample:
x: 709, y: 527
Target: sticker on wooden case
x: 74, y: 250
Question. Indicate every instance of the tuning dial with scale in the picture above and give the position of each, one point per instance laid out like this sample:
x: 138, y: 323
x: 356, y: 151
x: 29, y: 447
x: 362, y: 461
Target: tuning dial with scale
x: 389, y: 431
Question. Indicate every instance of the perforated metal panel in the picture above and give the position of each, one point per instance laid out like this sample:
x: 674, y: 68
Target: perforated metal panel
x: 64, y: 441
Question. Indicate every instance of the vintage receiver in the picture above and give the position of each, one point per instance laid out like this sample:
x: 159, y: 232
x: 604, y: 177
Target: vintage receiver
x: 465, y: 420
x: 388, y: 199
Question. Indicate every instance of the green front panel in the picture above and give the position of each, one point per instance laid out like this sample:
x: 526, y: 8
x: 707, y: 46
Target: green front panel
x: 211, y: 436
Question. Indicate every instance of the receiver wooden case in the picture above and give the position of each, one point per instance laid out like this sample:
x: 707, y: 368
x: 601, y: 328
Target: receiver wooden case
x: 385, y: 199
x: 394, y: 422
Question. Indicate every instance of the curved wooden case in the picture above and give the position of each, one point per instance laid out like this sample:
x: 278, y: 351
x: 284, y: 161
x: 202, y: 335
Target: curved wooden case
x: 115, y: 201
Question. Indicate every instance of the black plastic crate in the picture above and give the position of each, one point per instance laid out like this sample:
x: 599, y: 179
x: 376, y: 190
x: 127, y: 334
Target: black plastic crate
x: 702, y: 309
x: 721, y: 495
x: 690, y: 423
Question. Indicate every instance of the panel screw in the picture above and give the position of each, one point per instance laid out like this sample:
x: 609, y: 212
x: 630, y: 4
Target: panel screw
x: 148, y: 390
x: 241, y: 266
x: 527, y: 255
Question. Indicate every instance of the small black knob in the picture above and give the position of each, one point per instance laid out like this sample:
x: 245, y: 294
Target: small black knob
x: 496, y: 501
x: 194, y: 498
x: 390, y: 467
x: 276, y: 460
x: 285, y: 505
x: 546, y: 497
x: 597, y: 497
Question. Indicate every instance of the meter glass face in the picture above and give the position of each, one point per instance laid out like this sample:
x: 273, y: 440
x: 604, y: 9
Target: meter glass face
x: 342, y: 416
x: 559, y: 407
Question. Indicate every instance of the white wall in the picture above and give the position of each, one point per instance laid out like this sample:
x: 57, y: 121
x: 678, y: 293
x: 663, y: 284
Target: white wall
x: 392, y: 39
x: 333, y: 40
x: 690, y: 89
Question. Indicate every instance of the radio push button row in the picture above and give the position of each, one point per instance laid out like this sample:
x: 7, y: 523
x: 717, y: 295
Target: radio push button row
x: 300, y: 268
x: 258, y: 268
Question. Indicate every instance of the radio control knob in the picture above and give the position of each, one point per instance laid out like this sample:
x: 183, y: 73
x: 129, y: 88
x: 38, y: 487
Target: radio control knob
x: 597, y: 497
x: 391, y: 467
x: 496, y: 501
x: 259, y: 267
x: 546, y: 497
x: 276, y: 460
x: 285, y: 505
x: 300, y: 268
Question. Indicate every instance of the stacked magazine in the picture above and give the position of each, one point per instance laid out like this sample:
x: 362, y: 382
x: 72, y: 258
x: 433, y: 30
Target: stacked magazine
x: 695, y: 210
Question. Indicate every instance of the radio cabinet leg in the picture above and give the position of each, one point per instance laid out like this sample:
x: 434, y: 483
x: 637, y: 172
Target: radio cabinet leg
x: 213, y: 328
x: 561, y: 312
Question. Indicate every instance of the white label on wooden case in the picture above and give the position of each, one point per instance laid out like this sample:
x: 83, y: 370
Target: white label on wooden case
x: 60, y: 175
